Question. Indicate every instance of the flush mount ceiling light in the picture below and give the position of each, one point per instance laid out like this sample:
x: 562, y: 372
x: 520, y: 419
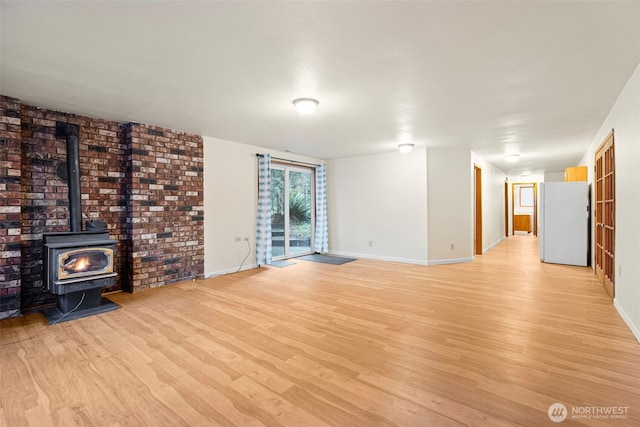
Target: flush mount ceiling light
x: 305, y: 106
x: 512, y: 157
x: 405, y: 148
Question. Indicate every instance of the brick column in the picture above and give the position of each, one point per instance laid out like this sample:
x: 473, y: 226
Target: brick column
x: 10, y: 175
x: 165, y: 206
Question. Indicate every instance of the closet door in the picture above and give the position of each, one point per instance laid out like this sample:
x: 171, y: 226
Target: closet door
x: 604, y: 179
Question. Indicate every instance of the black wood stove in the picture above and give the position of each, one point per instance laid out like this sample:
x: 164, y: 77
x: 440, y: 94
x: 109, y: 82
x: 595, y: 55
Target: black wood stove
x: 76, y: 268
x: 77, y: 264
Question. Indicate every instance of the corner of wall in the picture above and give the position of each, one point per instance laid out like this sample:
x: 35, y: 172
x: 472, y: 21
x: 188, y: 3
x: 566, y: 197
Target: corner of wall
x: 10, y: 236
x: 635, y: 329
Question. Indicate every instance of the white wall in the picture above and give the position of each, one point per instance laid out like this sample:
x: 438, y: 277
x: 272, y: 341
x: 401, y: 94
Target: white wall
x: 554, y: 177
x: 449, y: 205
x: 535, y: 177
x: 378, y: 206
x: 624, y: 118
x: 492, y: 202
x: 230, y: 202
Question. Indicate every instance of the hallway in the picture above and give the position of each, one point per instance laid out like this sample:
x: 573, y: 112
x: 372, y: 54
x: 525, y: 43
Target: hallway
x: 368, y: 343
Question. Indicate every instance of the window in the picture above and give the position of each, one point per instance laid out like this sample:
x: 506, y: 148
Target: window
x: 526, y: 197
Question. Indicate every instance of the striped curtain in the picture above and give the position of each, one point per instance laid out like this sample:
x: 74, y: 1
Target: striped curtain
x: 263, y: 226
x: 321, y: 243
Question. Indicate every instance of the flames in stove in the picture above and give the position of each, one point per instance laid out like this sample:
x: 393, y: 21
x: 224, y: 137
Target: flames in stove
x: 77, y: 265
x: 84, y: 262
x: 77, y: 262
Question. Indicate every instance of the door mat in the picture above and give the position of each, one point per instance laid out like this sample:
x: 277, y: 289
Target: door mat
x: 326, y: 259
x: 281, y: 264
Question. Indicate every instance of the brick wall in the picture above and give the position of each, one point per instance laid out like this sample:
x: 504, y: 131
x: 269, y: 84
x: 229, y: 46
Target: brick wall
x: 165, y: 206
x: 145, y: 182
x: 10, y: 172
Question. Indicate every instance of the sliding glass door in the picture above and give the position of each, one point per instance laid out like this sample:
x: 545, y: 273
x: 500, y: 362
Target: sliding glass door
x: 292, y: 211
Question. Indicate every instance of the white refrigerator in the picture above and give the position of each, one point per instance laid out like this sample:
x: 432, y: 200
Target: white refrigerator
x: 564, y: 222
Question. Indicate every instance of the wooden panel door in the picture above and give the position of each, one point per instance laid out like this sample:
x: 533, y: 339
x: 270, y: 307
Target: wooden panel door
x: 478, y: 210
x: 506, y: 209
x: 604, y: 179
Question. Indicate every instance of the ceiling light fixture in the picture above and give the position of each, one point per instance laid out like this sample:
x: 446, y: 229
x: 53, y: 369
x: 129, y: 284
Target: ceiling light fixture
x: 405, y: 148
x: 305, y: 106
x: 512, y: 157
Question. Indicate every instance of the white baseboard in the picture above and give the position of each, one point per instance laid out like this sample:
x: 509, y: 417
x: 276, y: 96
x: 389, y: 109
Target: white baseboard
x: 634, y: 328
x: 487, y: 249
x: 450, y: 261
x: 229, y: 270
x: 379, y: 258
x: 356, y: 255
x: 404, y: 260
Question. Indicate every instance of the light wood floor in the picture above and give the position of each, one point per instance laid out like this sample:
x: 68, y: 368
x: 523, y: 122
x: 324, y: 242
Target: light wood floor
x: 489, y: 343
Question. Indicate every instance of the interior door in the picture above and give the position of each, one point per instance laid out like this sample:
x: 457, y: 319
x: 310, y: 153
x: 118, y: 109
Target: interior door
x: 604, y: 223
x: 506, y: 209
x: 478, y: 209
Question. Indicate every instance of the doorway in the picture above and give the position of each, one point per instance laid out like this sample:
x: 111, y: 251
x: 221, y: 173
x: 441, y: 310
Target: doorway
x: 477, y: 178
x: 524, y: 208
x: 292, y: 211
x: 605, y: 214
x: 506, y: 209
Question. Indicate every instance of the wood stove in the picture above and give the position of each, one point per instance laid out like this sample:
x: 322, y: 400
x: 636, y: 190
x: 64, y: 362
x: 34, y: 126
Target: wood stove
x: 77, y: 264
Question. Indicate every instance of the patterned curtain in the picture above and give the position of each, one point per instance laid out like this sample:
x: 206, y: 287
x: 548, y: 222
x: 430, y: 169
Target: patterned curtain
x: 321, y: 243
x: 263, y: 229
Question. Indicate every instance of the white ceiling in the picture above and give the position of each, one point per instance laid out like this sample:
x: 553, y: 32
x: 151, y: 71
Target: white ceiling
x: 536, y: 78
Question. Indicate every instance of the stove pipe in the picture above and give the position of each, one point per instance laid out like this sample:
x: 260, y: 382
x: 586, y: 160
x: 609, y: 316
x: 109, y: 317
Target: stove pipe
x: 70, y: 133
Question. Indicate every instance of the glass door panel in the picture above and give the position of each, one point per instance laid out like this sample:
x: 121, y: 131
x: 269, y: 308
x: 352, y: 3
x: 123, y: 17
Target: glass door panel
x: 300, y: 212
x: 292, y: 211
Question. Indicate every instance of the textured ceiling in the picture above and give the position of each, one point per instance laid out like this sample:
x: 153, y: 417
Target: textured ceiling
x: 536, y: 78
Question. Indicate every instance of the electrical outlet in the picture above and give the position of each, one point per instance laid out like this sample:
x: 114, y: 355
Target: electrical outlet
x: 246, y: 239
x: 237, y: 239
x: 370, y: 243
x: 453, y: 246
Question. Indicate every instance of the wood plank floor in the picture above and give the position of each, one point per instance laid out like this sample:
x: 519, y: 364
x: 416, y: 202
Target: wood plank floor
x: 489, y: 343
